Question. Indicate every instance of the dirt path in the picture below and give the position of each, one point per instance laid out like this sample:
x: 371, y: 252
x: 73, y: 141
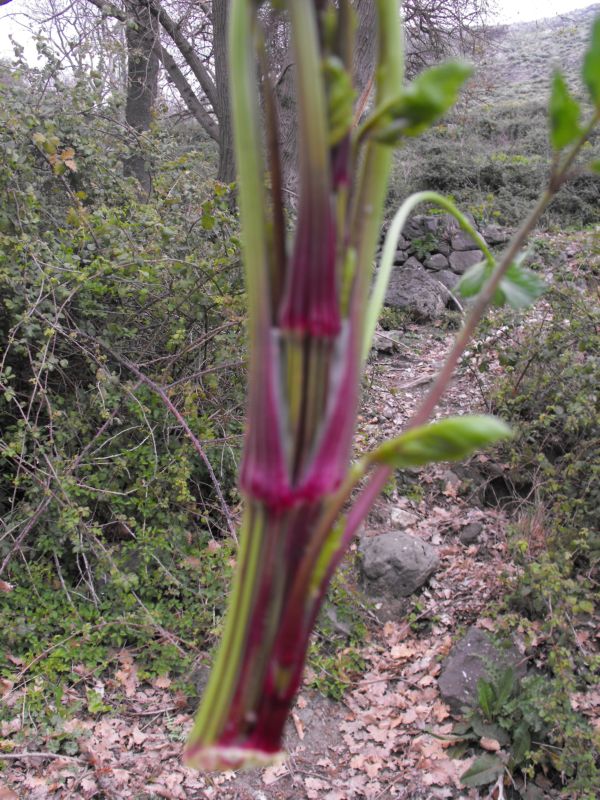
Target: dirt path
x: 377, y: 743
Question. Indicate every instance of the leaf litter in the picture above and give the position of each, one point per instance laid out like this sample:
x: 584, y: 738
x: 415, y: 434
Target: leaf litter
x: 385, y: 739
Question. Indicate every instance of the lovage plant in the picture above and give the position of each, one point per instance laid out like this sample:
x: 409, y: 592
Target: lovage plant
x: 312, y: 313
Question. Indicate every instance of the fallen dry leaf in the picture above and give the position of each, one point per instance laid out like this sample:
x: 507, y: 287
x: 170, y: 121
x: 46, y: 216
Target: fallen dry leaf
x: 272, y: 774
x: 402, y: 651
x: 138, y: 736
x: 162, y: 682
x: 298, y: 725
x: 6, y: 587
x: 127, y: 675
x: 487, y: 743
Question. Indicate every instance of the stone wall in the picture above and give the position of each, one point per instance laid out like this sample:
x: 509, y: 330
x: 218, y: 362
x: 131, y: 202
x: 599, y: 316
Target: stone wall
x: 431, y: 255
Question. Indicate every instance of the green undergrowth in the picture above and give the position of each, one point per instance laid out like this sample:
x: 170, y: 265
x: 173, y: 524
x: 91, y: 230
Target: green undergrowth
x: 112, y: 531
x: 544, y: 722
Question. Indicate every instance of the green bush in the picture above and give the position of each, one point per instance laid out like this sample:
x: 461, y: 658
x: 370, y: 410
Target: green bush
x: 108, y: 513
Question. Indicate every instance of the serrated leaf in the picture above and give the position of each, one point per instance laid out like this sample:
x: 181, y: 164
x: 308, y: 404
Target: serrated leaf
x: 452, y: 439
x: 591, y: 64
x: 482, y: 771
x: 474, y: 279
x: 422, y: 102
x: 521, y: 287
x: 564, y: 114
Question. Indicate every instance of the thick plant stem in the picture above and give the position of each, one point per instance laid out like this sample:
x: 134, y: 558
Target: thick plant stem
x: 259, y: 665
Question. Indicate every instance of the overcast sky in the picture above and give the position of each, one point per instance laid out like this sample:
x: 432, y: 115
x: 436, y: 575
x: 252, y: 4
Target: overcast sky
x: 508, y: 11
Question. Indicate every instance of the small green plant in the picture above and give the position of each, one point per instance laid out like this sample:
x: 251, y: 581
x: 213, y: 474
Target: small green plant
x: 424, y: 246
x: 525, y: 725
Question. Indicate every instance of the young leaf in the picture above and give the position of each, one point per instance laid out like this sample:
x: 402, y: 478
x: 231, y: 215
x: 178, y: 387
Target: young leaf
x: 521, y: 287
x: 521, y: 743
x: 564, y: 114
x: 489, y: 730
x: 452, y: 439
x: 483, y: 771
x: 474, y: 279
x: 340, y: 99
x: 423, y: 101
x: 506, y: 686
x: 485, y: 697
x: 591, y: 64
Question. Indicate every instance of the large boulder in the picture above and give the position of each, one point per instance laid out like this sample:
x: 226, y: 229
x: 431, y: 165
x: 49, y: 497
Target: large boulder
x: 463, y: 241
x: 413, y: 289
x: 448, y: 278
x: 396, y: 564
x: 461, y: 260
x: 495, y: 235
x: 471, y: 659
x: 436, y: 262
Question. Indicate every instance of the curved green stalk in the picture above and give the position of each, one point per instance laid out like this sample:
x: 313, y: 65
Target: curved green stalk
x: 312, y: 116
x: 375, y: 169
x: 245, y: 107
x: 382, y: 280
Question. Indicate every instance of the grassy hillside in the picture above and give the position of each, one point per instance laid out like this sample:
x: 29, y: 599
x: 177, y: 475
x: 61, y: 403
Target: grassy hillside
x: 493, y: 154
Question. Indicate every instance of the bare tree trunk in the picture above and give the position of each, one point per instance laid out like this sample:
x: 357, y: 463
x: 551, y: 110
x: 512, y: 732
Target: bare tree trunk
x: 142, y: 84
x: 364, y: 44
x: 220, y: 14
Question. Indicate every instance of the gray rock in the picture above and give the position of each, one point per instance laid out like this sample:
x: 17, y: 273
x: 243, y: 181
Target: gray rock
x: 444, y: 248
x: 448, y: 278
x: 413, y: 263
x: 470, y: 533
x: 396, y: 564
x: 493, y: 234
x: 436, y: 262
x: 463, y: 241
x: 413, y: 289
x: 402, y: 518
x: 383, y: 343
x: 389, y: 412
x: 461, y: 261
x: 447, y: 225
x: 416, y: 227
x: 469, y: 661
x: 400, y: 256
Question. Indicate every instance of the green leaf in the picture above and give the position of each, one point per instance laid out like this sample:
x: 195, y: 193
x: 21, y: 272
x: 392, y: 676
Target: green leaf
x: 457, y: 750
x: 595, y: 166
x: 474, y: 279
x: 591, y: 64
x: 340, y: 99
x: 452, y: 439
x: 485, y: 697
x: 490, y: 730
x: 521, y: 743
x: 564, y: 114
x: 521, y: 287
x: 421, y: 103
x: 506, y: 686
x: 483, y: 771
